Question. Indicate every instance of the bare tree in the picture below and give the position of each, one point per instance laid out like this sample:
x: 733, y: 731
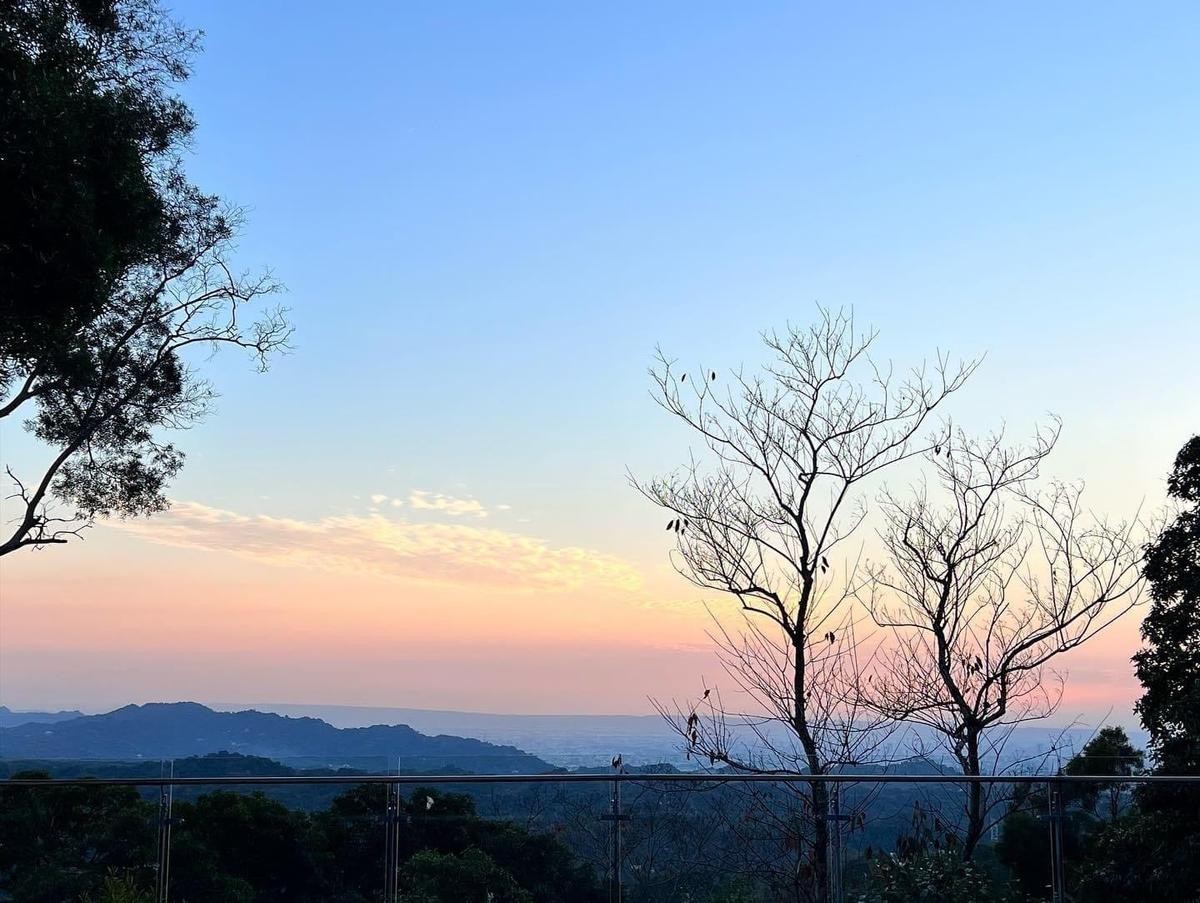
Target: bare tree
x: 758, y: 520
x: 982, y: 589
x: 129, y: 379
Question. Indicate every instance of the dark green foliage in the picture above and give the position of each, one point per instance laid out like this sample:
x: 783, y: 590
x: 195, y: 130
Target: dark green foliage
x: 1024, y: 844
x: 68, y: 843
x: 119, y: 887
x: 928, y: 865
x: 227, y: 843
x: 471, y: 876
x: 57, y: 843
x: 1152, y: 855
x: 716, y: 843
x: 89, y: 131
x: 112, y: 265
x: 352, y: 829
x: 447, y: 823
x: 1108, y: 754
x: 939, y: 876
x: 733, y: 890
x: 1169, y: 668
x: 1024, y: 841
x: 1025, y: 833
x: 1154, y: 852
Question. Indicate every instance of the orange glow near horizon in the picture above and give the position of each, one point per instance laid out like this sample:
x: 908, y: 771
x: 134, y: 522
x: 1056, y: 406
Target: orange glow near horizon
x: 240, y: 621
x: 212, y: 625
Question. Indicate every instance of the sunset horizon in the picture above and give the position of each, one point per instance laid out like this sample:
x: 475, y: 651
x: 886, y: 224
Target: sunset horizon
x: 643, y: 453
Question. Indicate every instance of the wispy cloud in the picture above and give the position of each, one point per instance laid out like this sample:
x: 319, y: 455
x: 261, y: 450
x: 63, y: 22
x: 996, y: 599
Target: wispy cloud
x: 420, y: 500
x: 402, y: 550
x: 378, y: 499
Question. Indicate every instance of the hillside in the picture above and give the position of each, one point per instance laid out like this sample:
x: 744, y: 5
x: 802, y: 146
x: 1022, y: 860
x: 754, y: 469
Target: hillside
x: 9, y: 718
x: 177, y: 730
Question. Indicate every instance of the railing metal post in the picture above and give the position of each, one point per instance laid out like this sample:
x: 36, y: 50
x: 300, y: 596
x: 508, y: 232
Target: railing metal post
x: 391, y: 844
x: 615, y: 816
x: 614, y: 892
x: 1058, y: 882
x: 835, y: 843
x: 1055, y: 786
x: 162, y: 872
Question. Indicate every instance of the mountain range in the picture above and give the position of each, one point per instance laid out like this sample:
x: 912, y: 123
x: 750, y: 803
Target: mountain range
x: 9, y: 718
x: 589, y: 741
x: 570, y: 741
x: 180, y: 729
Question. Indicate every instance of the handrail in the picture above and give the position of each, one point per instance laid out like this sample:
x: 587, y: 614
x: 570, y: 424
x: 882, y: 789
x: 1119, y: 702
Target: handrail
x: 593, y: 777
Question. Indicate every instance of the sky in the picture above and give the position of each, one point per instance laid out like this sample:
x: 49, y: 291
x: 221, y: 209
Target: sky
x: 488, y: 216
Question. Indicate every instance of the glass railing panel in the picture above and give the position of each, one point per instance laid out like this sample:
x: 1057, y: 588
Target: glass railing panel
x: 640, y: 838
x: 83, y: 841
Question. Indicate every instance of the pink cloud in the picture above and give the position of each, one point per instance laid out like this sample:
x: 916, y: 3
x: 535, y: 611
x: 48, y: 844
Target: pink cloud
x: 455, y: 554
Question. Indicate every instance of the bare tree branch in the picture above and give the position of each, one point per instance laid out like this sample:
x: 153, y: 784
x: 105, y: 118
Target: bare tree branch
x: 982, y: 588
x: 776, y: 496
x: 129, y: 380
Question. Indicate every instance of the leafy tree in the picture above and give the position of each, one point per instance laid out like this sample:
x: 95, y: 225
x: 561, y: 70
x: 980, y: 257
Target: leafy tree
x: 1154, y: 852
x: 57, y: 843
x: 939, y: 876
x: 1087, y: 807
x: 90, y: 131
x: 227, y: 844
x: 538, y: 862
x: 448, y: 823
x: 1169, y: 668
x: 471, y: 876
x: 1022, y: 848
x: 119, y: 887
x: 353, y: 836
x: 1024, y: 844
x: 113, y: 267
x: 1147, y: 855
x: 99, y: 843
x: 1108, y: 754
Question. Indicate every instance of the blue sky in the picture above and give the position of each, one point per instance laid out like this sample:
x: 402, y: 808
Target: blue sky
x: 488, y: 215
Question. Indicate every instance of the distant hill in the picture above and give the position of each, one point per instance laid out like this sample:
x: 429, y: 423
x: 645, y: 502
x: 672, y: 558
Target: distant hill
x: 9, y: 718
x: 571, y: 741
x: 210, y: 765
x: 182, y: 729
x: 309, y: 797
x: 590, y: 741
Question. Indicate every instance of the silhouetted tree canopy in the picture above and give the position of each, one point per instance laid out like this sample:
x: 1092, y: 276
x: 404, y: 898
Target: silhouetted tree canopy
x: 1169, y: 667
x: 91, y: 133
x: 1108, y: 754
x: 936, y: 876
x: 112, y: 265
x: 1154, y: 851
x: 98, y: 843
x: 1088, y: 808
x: 59, y: 844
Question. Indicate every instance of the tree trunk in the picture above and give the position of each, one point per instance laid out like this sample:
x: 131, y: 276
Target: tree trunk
x: 820, y: 790
x: 975, y: 811
x: 820, y: 801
